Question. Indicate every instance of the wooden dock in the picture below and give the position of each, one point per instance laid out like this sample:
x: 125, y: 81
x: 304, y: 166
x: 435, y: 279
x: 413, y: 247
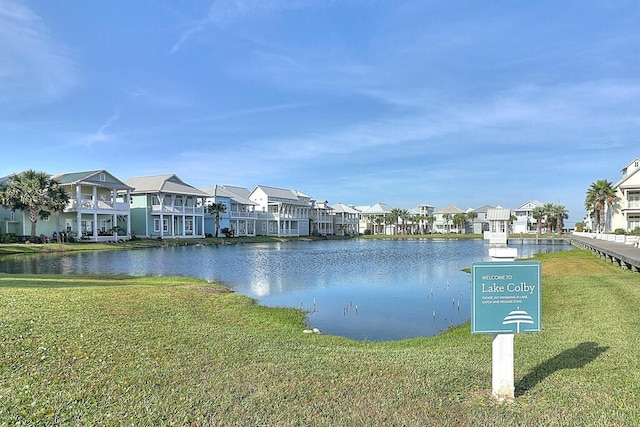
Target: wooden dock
x: 626, y: 255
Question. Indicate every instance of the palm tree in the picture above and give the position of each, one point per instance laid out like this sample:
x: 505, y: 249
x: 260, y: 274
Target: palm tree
x: 404, y: 215
x: 32, y: 191
x: 459, y: 220
x: 394, y: 217
x: 446, y: 217
x: 538, y: 214
x: 548, y: 214
x: 599, y: 195
x: 561, y: 214
x: 216, y: 208
x: 58, y: 201
x: 430, y: 220
x: 470, y: 217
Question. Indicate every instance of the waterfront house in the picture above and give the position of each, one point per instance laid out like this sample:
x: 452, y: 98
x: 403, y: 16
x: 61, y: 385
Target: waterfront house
x: 624, y: 213
x: 480, y: 223
x: 239, y: 216
x: 164, y: 206
x: 345, y: 219
x: 525, y: 222
x: 373, y: 218
x: 422, y: 225
x: 321, y: 219
x: 10, y: 220
x: 281, y: 212
x: 98, y: 208
x: 444, y: 219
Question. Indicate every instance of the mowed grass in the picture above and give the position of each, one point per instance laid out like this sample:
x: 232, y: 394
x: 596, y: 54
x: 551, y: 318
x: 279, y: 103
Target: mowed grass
x: 178, y: 351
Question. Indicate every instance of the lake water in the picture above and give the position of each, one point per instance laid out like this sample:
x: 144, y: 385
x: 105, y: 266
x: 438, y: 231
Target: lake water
x: 362, y: 289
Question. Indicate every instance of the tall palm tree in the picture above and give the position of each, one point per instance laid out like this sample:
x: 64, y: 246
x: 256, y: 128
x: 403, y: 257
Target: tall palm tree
x: 31, y: 192
x: 459, y: 220
x: 216, y: 208
x: 394, y: 217
x: 599, y: 195
x: 561, y: 214
x: 58, y: 202
x: 538, y: 214
x: 549, y: 215
x: 446, y: 217
x: 404, y: 216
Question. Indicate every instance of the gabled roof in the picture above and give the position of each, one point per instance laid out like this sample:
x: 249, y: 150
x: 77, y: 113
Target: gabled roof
x: 377, y: 209
x: 484, y: 208
x: 92, y: 177
x: 240, y: 191
x: 627, y: 172
x: 341, y: 207
x: 169, y: 183
x: 223, y: 191
x: 450, y: 209
x: 535, y: 203
x: 282, y: 194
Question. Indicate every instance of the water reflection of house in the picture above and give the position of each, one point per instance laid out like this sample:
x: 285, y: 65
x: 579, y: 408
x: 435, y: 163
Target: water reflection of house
x: 164, y: 206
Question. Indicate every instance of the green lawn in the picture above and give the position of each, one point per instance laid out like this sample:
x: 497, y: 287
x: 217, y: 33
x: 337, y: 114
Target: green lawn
x: 173, y: 351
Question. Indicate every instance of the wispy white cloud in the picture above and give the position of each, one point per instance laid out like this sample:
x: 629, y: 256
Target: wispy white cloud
x: 225, y: 12
x: 34, y: 66
x: 100, y: 135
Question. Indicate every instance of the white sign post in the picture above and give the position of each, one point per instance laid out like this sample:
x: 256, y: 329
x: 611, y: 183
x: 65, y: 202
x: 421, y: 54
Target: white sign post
x: 502, y: 382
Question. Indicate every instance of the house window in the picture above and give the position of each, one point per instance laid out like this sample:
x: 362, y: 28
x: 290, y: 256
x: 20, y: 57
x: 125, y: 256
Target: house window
x: 633, y: 200
x: 156, y: 224
x: 46, y: 217
x: 155, y: 201
x: 188, y: 225
x: 104, y: 225
x: 634, y: 222
x: 87, y: 227
x: 165, y: 225
x: 103, y: 177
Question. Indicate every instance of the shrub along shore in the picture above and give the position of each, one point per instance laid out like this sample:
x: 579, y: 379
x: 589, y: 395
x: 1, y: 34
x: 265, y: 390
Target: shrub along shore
x: 180, y: 351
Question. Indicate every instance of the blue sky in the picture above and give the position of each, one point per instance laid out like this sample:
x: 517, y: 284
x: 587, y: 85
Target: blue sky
x: 440, y: 102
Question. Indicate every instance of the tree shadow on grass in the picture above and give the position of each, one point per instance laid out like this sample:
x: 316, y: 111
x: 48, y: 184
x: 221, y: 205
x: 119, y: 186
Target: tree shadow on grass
x: 573, y: 358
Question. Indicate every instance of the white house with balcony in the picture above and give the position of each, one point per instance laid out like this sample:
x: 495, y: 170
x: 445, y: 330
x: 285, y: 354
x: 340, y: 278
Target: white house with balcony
x: 98, y: 209
x: 164, y: 206
x: 281, y: 212
x: 444, y: 219
x: 525, y: 222
x: 374, y: 218
x: 321, y: 219
x: 624, y: 213
x: 425, y: 218
x: 240, y: 215
x: 346, y: 219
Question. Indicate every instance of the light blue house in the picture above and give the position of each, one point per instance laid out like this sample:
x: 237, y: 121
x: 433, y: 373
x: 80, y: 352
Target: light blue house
x: 239, y: 216
x: 164, y: 206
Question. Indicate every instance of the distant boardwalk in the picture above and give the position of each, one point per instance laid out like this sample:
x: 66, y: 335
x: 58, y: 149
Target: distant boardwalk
x: 622, y: 250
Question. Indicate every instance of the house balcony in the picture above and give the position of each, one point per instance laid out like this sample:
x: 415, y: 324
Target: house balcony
x: 100, y: 206
x: 243, y: 215
x: 177, y: 210
x: 283, y: 216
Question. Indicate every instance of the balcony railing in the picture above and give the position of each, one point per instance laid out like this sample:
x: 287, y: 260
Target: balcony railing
x: 198, y: 210
x: 242, y: 214
x: 93, y: 205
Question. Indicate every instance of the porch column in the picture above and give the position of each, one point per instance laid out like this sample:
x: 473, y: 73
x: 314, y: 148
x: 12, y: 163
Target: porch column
x: 79, y: 210
x: 128, y: 200
x: 161, y: 198
x: 95, y: 213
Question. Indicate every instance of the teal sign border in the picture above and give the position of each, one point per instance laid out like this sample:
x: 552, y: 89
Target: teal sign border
x: 506, y: 297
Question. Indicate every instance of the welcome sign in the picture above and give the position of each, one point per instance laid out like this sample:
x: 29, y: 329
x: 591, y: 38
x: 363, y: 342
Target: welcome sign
x: 506, y: 297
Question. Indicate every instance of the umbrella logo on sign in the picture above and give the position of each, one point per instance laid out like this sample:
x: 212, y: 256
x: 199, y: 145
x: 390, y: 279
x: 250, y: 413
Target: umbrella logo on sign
x: 517, y: 317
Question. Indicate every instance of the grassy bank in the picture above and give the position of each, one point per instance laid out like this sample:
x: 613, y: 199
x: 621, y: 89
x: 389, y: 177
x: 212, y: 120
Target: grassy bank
x: 176, y: 351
